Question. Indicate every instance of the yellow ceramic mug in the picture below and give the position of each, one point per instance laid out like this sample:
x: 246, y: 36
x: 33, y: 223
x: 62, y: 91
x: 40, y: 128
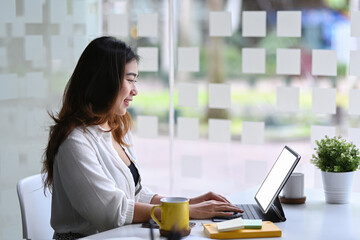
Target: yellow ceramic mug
x: 174, y: 215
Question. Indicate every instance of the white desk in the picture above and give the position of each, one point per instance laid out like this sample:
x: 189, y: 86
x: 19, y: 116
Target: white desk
x: 313, y: 220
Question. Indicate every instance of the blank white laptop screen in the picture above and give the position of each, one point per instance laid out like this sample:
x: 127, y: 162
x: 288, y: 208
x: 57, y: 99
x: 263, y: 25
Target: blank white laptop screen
x: 276, y: 178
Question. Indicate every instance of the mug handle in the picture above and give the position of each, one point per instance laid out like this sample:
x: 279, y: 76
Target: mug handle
x: 153, y: 215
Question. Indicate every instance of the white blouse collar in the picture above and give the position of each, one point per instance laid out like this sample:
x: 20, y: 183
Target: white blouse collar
x: 98, y: 132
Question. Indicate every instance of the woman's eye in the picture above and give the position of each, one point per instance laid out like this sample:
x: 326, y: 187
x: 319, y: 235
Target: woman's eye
x: 131, y: 81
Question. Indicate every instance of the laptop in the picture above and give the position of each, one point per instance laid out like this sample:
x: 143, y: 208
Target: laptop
x: 268, y: 206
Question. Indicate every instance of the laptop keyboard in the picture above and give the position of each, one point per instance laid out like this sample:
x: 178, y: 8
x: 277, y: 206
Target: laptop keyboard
x: 249, y: 211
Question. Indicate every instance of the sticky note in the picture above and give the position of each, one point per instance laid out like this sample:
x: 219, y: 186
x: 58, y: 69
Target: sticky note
x: 324, y: 100
x: 188, y: 128
x: 253, y: 60
x: 287, y: 99
x: 288, y: 61
x: 220, y: 24
x: 354, y: 100
x: 9, y: 86
x: 188, y: 94
x: 191, y: 166
x: 230, y: 225
x: 7, y: 11
x: 254, y: 23
x: 36, y: 85
x: 219, y: 95
x: 239, y: 223
x: 148, y: 25
x: 354, y: 69
x: 288, y: 23
x: 253, y: 133
x: 118, y: 25
x: 319, y: 132
x: 354, y: 136
x: 58, y: 11
x: 188, y: 59
x: 219, y: 130
x: 355, y: 24
x: 33, y: 11
x: 252, y: 223
x: 148, y: 59
x: 324, y: 62
x: 147, y: 126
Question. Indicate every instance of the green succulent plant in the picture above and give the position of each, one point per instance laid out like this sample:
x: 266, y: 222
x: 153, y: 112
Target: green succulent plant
x: 336, y: 155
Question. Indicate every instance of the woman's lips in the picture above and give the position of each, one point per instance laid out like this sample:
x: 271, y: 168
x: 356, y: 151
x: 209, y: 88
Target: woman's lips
x: 127, y: 102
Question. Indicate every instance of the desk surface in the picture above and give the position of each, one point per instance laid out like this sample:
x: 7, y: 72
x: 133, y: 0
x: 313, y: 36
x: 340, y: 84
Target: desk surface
x: 313, y: 220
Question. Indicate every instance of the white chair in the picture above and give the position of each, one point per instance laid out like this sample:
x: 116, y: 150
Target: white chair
x: 35, y: 208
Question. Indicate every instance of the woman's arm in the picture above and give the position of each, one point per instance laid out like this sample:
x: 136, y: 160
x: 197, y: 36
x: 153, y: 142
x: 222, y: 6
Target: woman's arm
x: 208, y: 196
x: 212, y: 208
x: 205, y: 206
x: 91, y: 193
x: 203, y: 210
x: 142, y: 212
x: 210, y: 205
x: 156, y: 199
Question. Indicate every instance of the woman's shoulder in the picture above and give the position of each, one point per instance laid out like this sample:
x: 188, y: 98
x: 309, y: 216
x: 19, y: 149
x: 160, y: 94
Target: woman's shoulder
x: 80, y: 133
x: 78, y: 137
x: 77, y: 132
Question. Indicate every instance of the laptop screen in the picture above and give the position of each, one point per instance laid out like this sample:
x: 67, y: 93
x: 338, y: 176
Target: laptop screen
x: 276, y: 178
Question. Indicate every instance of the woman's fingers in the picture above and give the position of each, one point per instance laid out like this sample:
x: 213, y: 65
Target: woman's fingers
x: 207, y: 197
x: 227, y: 207
x: 223, y: 214
x: 212, y: 208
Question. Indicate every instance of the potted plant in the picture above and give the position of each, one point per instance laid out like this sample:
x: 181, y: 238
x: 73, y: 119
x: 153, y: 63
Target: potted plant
x: 338, y: 160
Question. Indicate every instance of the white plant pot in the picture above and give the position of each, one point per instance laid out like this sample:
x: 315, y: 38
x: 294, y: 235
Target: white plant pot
x: 337, y: 186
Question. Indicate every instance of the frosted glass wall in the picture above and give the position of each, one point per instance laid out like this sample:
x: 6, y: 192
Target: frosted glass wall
x: 40, y: 42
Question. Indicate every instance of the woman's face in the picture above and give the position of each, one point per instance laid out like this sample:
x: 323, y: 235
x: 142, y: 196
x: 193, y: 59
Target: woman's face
x: 128, y: 89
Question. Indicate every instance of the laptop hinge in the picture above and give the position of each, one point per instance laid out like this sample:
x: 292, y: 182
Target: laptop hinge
x: 276, y: 206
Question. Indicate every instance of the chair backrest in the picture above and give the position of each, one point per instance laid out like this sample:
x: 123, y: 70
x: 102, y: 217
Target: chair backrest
x: 35, y: 208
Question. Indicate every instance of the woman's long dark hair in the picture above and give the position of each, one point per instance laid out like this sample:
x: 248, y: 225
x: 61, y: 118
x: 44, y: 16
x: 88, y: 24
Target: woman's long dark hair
x: 90, y: 95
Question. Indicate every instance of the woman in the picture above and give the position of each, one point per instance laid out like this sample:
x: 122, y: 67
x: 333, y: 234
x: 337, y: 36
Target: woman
x: 89, y: 161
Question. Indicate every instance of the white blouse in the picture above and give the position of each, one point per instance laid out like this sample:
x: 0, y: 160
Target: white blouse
x: 93, y: 189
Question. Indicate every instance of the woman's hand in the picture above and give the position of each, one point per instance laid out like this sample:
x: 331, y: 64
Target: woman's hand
x: 208, y: 196
x: 212, y: 208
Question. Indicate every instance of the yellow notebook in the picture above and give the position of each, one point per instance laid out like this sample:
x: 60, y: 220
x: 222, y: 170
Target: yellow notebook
x: 269, y: 229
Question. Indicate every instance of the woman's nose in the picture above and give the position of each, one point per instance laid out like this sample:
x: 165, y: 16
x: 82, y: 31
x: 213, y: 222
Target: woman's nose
x: 134, y: 90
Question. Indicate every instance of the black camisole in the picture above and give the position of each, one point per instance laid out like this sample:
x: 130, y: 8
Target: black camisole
x: 134, y: 172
